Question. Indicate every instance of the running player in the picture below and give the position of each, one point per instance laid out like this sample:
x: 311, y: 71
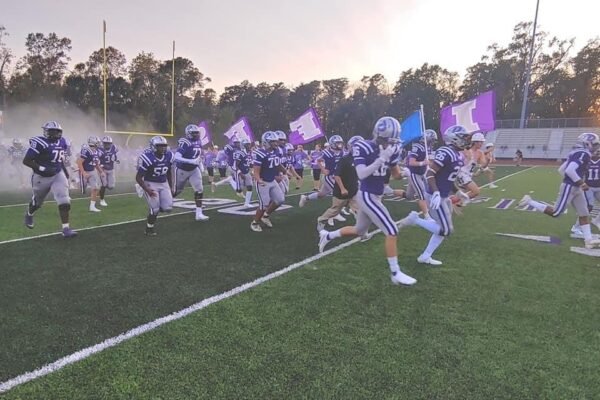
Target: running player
x: 418, y: 162
x: 474, y: 159
x: 300, y: 158
x: 108, y: 158
x: 90, y: 171
x: 15, y: 154
x: 45, y: 157
x: 328, y: 162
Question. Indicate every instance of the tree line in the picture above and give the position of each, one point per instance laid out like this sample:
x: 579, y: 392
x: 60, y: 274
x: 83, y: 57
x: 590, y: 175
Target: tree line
x: 139, y: 91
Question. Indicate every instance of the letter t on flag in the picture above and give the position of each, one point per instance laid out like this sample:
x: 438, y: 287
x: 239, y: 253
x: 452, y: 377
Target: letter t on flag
x: 412, y: 129
x: 306, y: 128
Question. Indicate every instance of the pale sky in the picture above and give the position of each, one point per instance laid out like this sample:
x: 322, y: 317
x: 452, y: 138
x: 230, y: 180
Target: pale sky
x: 297, y: 41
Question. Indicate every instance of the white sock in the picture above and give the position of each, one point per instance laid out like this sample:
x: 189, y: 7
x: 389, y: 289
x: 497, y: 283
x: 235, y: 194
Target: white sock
x: 233, y: 184
x: 429, y: 224
x: 92, y: 204
x: 65, y: 225
x: 223, y: 181
x: 587, y: 232
x: 198, y: 210
x: 393, y: 263
x: 434, y: 243
x: 334, y: 234
x: 313, y: 196
x: 248, y: 197
x: 537, y: 205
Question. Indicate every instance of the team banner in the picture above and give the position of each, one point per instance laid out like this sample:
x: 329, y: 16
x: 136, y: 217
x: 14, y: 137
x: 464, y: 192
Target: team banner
x: 241, y: 129
x: 478, y: 114
x: 205, y: 136
x: 306, y: 128
x: 412, y: 129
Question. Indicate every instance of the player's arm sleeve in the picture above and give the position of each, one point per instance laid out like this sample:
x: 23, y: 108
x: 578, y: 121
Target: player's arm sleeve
x: 571, y: 171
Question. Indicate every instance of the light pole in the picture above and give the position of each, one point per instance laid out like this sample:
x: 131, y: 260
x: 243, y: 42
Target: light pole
x: 528, y: 72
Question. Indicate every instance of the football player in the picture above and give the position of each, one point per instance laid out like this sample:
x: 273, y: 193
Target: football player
x: 188, y: 167
x: 315, y: 156
x: 489, y: 172
x: 418, y: 162
x: 372, y: 158
x: 573, y: 186
x: 300, y: 158
x: 267, y: 166
x: 229, y: 150
x: 283, y: 179
x: 15, y: 154
x: 474, y: 158
x: 210, y: 163
x: 592, y: 195
x: 328, y: 162
x: 242, y: 159
x: 45, y: 157
x: 447, y: 162
x: 90, y: 171
x: 108, y: 158
x: 154, y: 179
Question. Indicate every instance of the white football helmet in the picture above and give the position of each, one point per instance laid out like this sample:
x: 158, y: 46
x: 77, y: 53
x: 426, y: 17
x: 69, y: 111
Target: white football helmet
x: 354, y: 139
x: 192, y: 132
x: 52, y: 130
x: 17, y: 143
x: 159, y: 144
x: 93, y: 141
x: 281, y: 136
x: 387, y: 130
x: 457, y: 136
x: 336, y: 142
x: 588, y: 141
x: 289, y: 147
x: 269, y: 138
x: 431, y: 136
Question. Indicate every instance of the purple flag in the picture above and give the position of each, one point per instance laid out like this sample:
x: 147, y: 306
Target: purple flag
x: 306, y: 128
x: 205, y: 136
x: 241, y: 129
x: 478, y: 114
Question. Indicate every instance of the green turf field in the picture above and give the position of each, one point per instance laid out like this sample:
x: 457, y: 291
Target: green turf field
x: 503, y: 318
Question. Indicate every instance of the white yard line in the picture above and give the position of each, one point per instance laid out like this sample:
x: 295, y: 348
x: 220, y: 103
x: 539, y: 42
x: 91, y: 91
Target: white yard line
x: 108, y: 343
x: 509, y: 176
x: 78, y: 198
x: 114, y: 341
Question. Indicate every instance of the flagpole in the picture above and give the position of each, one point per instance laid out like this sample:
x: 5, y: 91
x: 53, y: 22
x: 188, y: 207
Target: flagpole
x: 423, y: 129
x: 528, y: 72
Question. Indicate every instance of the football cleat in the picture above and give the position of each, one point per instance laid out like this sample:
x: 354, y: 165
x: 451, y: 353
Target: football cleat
x: 576, y: 229
x: 150, y: 231
x: 399, y: 278
x: 410, y: 219
x: 330, y: 222
x: 592, y: 244
x: 339, y: 218
x: 200, y: 216
x: 94, y: 209
x: 492, y: 186
x: 103, y: 203
x: 255, y: 226
x: 302, y: 202
x: 68, y: 232
x: 323, y: 240
x: 365, y: 237
x: 29, y: 220
x: 428, y: 260
x: 524, y: 202
x: 267, y: 222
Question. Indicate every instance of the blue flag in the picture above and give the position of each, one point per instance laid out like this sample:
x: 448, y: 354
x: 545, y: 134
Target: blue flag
x: 411, y: 128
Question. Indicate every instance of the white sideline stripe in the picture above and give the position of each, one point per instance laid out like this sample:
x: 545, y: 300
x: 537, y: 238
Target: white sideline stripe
x: 114, y: 341
x: 111, y: 342
x: 509, y: 176
x: 78, y: 198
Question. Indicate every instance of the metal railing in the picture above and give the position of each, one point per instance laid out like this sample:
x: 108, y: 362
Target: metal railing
x: 549, y: 123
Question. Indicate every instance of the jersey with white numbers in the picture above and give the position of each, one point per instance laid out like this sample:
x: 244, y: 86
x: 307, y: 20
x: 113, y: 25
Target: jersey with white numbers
x: 365, y: 152
x: 269, y: 162
x: 449, y: 161
x: 593, y: 176
x: 50, y: 154
x: 190, y: 149
x: 154, y: 168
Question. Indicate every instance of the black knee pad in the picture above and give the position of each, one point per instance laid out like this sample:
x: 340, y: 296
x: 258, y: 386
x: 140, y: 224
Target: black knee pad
x: 64, y: 207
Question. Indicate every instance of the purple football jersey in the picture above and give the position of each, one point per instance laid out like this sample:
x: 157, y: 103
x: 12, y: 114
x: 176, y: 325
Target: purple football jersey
x: 154, y: 169
x: 108, y: 157
x: 190, y: 149
x: 593, y: 176
x: 90, y: 157
x: 417, y: 153
x: 582, y: 159
x: 269, y: 162
x: 449, y: 162
x: 50, y: 154
x: 331, y: 159
x: 365, y: 153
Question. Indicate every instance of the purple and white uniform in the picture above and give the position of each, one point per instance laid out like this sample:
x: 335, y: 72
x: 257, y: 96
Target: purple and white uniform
x: 371, y: 209
x: 154, y: 172
x: 49, y: 154
x: 578, y: 164
x: 222, y: 159
x: 91, y: 159
x: 188, y: 172
x: 417, y: 185
x: 229, y: 150
x: 269, y: 191
x: 242, y: 164
x: 107, y: 161
x: 449, y: 162
x: 593, y: 181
